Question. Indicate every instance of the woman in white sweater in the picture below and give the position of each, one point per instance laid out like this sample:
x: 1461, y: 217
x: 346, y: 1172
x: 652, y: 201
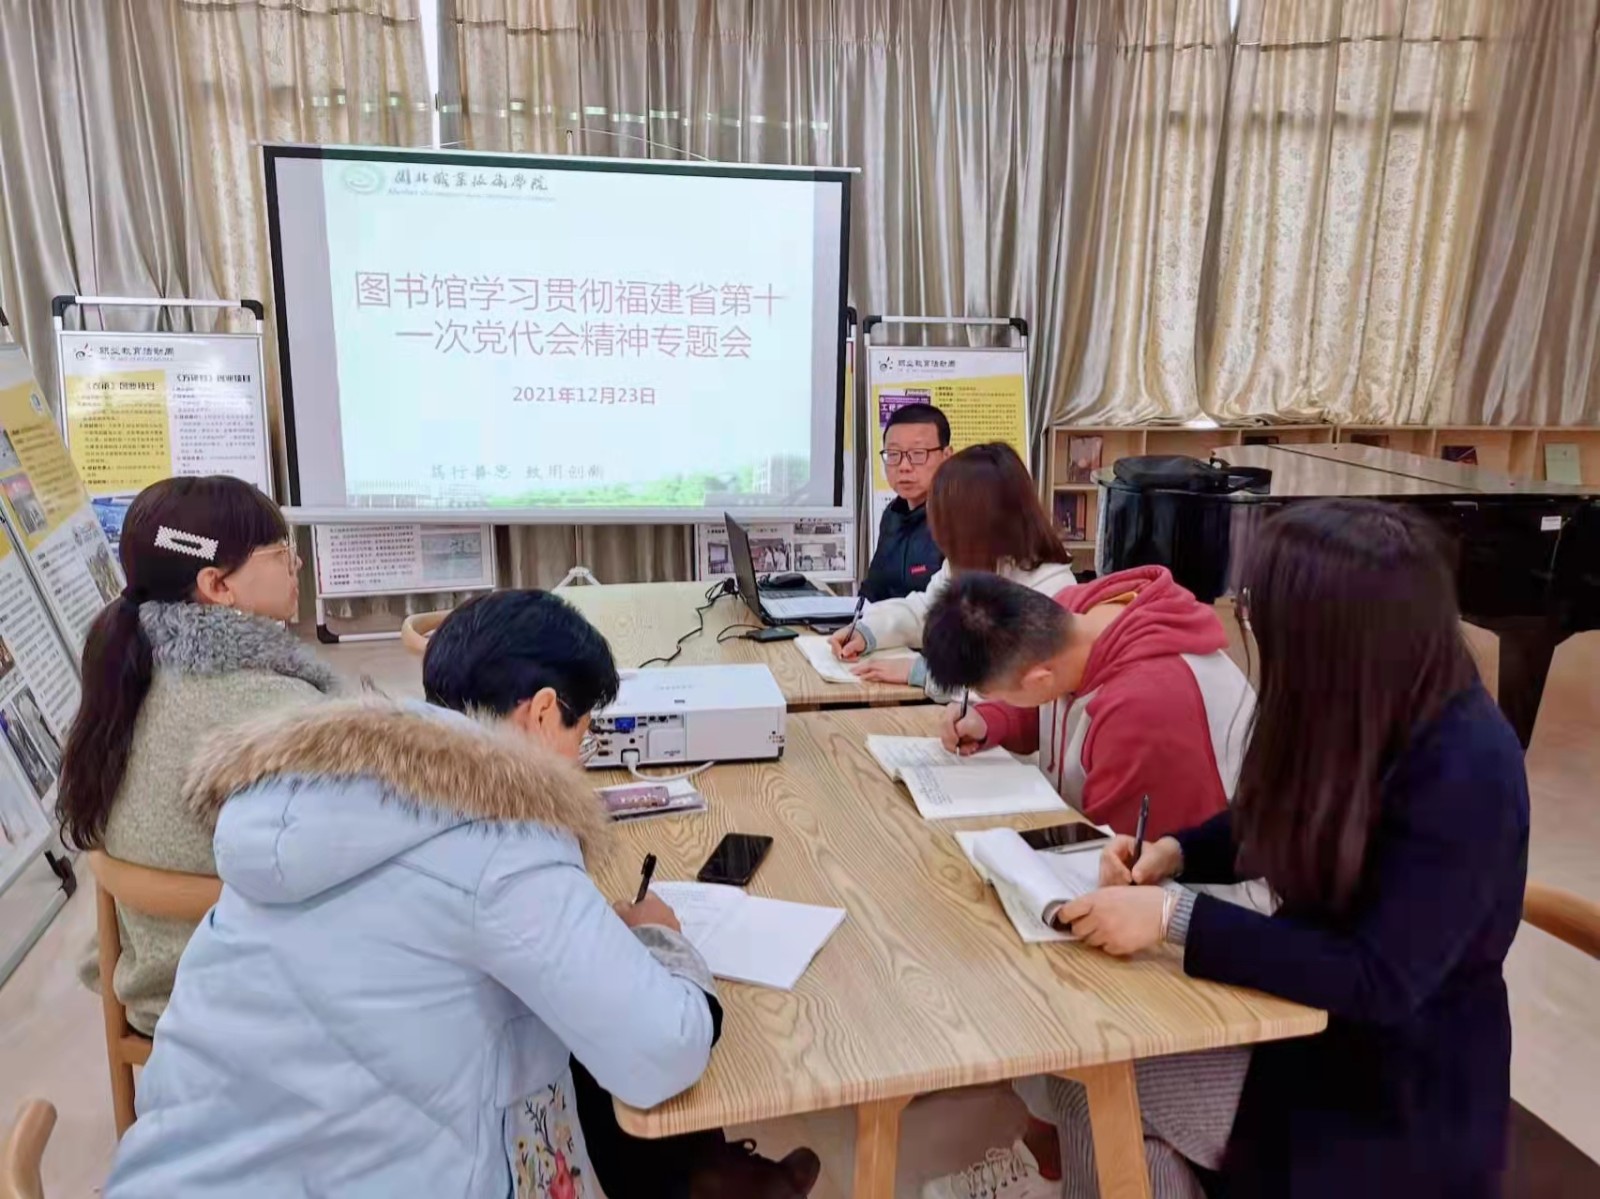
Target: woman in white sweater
x: 985, y: 515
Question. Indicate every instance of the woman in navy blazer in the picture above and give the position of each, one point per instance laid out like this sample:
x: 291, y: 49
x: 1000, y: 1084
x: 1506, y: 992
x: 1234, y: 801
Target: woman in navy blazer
x: 1383, y: 798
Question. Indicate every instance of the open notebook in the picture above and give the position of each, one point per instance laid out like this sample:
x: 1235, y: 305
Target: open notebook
x: 819, y: 653
x: 1031, y: 885
x: 946, y: 786
x: 749, y: 939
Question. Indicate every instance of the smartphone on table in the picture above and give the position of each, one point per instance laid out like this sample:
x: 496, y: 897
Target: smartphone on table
x: 1058, y: 838
x: 733, y: 863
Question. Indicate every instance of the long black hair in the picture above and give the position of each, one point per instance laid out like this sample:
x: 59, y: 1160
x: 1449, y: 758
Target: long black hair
x: 1353, y: 607
x: 117, y: 660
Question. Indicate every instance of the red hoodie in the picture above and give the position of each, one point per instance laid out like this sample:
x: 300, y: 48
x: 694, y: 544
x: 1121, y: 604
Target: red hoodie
x: 1161, y: 711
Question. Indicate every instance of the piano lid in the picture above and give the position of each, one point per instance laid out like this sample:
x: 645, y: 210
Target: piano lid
x: 1306, y: 471
x: 1435, y: 470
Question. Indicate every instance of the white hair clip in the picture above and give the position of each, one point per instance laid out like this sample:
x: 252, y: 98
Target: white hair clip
x: 180, y: 542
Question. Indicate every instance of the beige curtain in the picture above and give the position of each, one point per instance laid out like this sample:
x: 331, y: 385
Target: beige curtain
x: 1531, y: 346
x: 94, y: 166
x: 1351, y: 187
x: 1142, y: 125
x: 953, y: 112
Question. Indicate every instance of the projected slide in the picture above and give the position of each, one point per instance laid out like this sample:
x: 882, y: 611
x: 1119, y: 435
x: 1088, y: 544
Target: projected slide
x: 527, y: 336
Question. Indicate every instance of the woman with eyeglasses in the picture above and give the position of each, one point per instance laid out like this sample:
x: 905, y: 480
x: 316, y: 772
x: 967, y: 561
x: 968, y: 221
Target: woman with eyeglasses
x: 193, y: 644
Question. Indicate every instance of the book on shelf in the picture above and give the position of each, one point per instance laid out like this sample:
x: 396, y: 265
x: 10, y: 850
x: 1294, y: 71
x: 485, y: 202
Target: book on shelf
x: 1083, y: 458
x: 1072, y: 515
x: 1467, y: 455
x: 1561, y: 462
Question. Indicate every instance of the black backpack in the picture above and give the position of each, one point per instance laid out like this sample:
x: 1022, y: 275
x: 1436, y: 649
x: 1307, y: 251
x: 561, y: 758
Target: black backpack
x: 1175, y: 472
x: 1149, y: 519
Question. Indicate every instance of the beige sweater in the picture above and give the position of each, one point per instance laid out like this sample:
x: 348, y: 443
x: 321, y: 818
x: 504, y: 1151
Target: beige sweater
x: 214, y: 667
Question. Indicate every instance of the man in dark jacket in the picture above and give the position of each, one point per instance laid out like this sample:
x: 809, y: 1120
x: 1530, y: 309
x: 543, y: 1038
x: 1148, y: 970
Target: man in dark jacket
x: 916, y: 443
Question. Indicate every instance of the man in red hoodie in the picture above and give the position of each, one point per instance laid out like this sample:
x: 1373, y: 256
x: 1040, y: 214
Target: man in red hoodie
x: 1123, y: 686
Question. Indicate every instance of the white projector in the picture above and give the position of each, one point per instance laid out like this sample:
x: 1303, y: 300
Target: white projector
x: 690, y: 714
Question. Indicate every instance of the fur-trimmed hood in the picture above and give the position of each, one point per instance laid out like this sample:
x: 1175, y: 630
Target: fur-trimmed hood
x: 210, y: 639
x: 306, y: 800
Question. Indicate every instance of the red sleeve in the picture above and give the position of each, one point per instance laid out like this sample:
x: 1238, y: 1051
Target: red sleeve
x: 1148, y: 736
x: 1017, y: 729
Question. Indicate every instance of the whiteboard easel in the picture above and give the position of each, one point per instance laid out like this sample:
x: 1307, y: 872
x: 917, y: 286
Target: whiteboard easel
x: 371, y: 561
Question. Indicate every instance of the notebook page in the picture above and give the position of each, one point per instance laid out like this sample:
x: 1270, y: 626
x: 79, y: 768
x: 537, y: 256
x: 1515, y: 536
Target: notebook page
x: 897, y: 754
x: 747, y: 938
x: 1045, y: 881
x: 702, y: 908
x: 951, y: 792
x: 819, y: 652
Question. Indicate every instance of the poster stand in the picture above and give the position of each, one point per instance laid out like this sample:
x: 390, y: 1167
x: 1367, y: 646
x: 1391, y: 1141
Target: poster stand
x: 36, y: 666
x: 137, y: 407
x: 982, y: 389
x: 370, y: 561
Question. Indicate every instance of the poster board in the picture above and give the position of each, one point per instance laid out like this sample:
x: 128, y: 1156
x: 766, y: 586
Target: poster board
x: 823, y: 549
x: 44, y: 502
x: 982, y: 390
x: 362, y: 560
x: 140, y: 407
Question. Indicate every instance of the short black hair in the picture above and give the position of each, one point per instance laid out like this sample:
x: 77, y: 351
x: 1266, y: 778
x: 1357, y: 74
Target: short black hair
x: 921, y: 414
x: 983, y: 630
x: 501, y: 649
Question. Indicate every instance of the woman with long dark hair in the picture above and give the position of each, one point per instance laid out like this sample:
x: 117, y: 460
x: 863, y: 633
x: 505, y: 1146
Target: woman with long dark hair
x: 1383, y: 800
x: 193, y: 644
x: 984, y: 514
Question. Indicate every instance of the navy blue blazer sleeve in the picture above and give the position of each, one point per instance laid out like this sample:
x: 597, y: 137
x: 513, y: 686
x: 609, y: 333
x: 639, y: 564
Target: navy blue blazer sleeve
x: 1451, y: 849
x: 1209, y: 854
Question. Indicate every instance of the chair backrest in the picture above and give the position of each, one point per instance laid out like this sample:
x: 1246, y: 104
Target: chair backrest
x: 1563, y: 915
x: 418, y: 627
x: 23, y: 1151
x: 165, y: 893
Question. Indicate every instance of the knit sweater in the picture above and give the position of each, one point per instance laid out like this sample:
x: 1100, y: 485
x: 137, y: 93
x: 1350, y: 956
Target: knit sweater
x: 214, y: 667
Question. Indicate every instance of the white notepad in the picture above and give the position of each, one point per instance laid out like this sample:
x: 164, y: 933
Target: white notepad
x: 994, y: 789
x: 896, y: 754
x: 1031, y: 885
x: 819, y: 652
x: 747, y: 938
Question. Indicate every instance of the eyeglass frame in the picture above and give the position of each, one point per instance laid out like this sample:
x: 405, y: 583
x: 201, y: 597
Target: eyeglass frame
x: 909, y: 455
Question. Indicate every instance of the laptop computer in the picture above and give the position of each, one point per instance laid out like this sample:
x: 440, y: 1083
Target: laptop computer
x: 780, y: 605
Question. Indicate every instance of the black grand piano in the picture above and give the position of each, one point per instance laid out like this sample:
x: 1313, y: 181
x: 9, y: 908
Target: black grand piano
x: 1529, y: 552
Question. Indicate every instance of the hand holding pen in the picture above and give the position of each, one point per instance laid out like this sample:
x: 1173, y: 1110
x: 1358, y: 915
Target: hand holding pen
x: 647, y: 908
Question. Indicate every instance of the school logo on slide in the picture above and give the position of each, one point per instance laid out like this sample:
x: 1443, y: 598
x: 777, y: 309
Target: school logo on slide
x: 362, y: 178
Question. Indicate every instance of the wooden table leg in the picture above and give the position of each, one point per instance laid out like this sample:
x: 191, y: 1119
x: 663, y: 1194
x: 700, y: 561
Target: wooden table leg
x: 1118, y: 1129
x: 877, y: 1147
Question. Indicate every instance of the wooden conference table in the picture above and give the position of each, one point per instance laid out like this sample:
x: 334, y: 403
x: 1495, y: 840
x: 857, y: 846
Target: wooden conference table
x: 926, y: 986
x: 644, y: 621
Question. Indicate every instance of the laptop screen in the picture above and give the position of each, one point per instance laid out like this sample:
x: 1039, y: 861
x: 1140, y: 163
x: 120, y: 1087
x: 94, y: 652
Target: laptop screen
x: 744, y: 566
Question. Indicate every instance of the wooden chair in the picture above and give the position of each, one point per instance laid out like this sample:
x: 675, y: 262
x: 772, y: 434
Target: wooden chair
x: 418, y: 627
x: 150, y: 892
x: 1563, y: 915
x: 23, y: 1151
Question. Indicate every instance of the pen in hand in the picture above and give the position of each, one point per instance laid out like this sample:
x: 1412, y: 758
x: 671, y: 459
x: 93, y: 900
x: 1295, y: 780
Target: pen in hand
x: 1138, y: 831
x: 646, y: 873
x: 861, y: 602
x: 966, y: 700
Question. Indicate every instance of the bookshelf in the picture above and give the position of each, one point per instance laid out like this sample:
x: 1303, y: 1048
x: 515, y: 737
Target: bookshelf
x: 1510, y: 449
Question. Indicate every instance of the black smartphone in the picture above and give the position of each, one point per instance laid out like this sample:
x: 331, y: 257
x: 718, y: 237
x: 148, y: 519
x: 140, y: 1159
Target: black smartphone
x: 775, y: 633
x: 1063, y: 836
x: 734, y: 862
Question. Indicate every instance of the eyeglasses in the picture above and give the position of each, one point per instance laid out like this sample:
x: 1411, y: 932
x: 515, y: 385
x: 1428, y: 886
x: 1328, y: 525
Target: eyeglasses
x: 914, y: 457
x: 285, y: 548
